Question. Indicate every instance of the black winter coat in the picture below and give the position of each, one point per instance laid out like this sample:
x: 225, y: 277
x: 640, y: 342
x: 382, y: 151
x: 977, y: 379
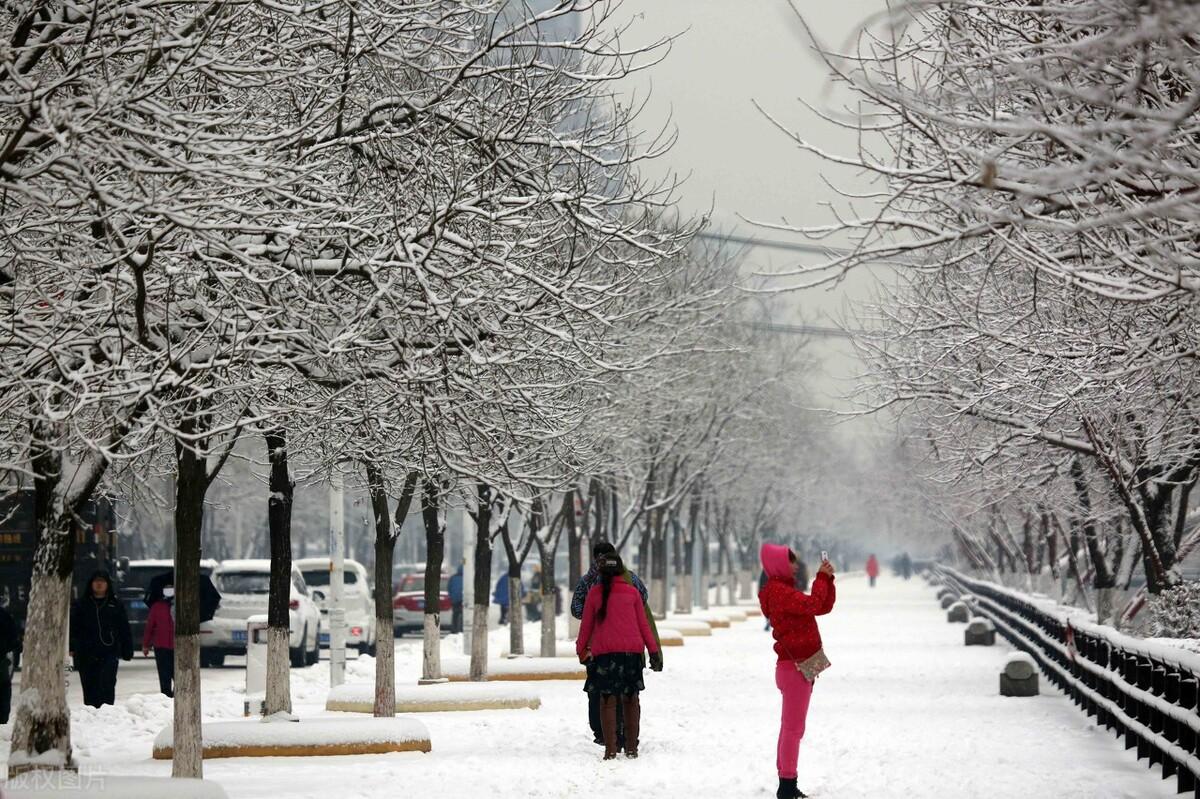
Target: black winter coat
x: 10, y: 636
x: 100, y: 629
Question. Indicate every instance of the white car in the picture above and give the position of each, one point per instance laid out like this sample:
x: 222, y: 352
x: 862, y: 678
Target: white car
x: 358, y: 601
x: 245, y: 587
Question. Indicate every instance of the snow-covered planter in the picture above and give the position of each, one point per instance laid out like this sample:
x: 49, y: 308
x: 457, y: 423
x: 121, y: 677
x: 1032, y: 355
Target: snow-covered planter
x: 947, y: 600
x: 669, y: 636
x: 958, y: 613
x: 563, y: 649
x: 309, y: 737
x: 713, y: 620
x: 517, y: 669
x: 72, y: 785
x: 462, y: 696
x: 688, y: 627
x: 1175, y: 613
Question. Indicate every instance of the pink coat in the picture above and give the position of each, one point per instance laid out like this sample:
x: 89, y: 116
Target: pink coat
x: 624, y: 628
x: 160, y: 627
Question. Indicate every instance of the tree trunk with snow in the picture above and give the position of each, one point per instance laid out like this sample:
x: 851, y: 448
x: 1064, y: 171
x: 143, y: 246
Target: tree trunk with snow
x: 435, y: 542
x: 482, y: 585
x: 385, y: 546
x: 191, y: 485
x: 41, y: 734
x: 279, y: 520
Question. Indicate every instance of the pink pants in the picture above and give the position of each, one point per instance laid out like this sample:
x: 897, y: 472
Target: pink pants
x: 797, y: 691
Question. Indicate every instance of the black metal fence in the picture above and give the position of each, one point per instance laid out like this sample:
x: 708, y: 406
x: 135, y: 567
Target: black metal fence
x: 1147, y: 697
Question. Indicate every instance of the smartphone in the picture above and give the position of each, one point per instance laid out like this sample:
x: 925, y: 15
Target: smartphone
x: 824, y: 555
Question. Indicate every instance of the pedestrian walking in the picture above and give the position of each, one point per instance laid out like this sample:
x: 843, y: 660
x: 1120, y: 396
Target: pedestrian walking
x: 578, y: 598
x: 100, y: 637
x: 872, y: 570
x: 614, y: 634
x: 533, y: 603
x: 455, y: 589
x: 800, y: 657
x: 501, y: 596
x: 10, y: 645
x: 159, y: 635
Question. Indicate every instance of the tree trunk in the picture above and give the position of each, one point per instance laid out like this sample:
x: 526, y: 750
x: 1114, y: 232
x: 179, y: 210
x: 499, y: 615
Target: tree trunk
x: 41, y: 734
x: 190, y: 489
x: 279, y: 520
x: 435, y: 542
x: 483, y: 584
x: 386, y: 534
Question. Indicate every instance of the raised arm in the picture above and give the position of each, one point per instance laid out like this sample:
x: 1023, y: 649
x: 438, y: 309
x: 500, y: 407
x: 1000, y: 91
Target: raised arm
x: 818, y: 603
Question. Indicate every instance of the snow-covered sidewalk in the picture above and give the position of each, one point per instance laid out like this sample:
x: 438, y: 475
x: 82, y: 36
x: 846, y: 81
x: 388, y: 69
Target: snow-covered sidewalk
x: 906, y: 711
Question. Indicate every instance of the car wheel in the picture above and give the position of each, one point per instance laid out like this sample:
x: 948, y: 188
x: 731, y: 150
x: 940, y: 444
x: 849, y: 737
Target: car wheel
x: 297, y: 654
x: 314, y: 655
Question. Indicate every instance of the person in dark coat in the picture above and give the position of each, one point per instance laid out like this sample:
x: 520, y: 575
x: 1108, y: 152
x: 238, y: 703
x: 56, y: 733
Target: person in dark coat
x: 455, y: 589
x: 100, y: 637
x: 501, y: 598
x: 10, y: 645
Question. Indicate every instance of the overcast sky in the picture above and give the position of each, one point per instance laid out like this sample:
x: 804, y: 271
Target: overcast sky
x: 728, y: 54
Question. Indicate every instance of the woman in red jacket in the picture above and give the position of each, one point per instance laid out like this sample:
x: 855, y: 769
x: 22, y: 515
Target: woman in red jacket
x: 160, y: 634
x: 872, y: 570
x: 792, y: 614
x: 613, y: 634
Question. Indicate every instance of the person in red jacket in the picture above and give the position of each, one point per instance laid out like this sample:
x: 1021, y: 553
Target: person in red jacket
x: 613, y: 634
x: 792, y: 614
x: 872, y: 569
x: 160, y: 634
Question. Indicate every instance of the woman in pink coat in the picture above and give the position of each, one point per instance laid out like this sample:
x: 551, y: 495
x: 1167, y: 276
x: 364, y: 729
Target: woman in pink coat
x: 613, y: 635
x: 160, y: 634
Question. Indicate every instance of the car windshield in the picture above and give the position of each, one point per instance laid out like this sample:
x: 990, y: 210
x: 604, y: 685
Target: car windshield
x: 244, y: 582
x: 319, y: 578
x: 138, y: 577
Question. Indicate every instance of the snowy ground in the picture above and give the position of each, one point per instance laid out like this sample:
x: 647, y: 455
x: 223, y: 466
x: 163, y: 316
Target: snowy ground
x: 906, y: 711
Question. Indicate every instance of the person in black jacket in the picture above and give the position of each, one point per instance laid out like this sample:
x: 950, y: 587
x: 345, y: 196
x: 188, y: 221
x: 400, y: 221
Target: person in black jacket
x: 100, y: 636
x: 10, y: 645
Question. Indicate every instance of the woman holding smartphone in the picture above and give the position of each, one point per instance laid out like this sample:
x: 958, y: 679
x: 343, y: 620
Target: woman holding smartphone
x: 792, y: 614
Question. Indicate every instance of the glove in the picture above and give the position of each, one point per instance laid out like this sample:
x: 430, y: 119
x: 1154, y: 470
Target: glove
x: 656, y: 663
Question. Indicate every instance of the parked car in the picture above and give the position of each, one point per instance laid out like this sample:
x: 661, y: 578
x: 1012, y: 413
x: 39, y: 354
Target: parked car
x: 358, y: 601
x: 408, y: 603
x: 135, y: 580
x: 245, y: 587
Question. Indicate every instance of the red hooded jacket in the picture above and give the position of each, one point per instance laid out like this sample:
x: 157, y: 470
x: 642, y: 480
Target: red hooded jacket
x: 793, y: 613
x: 872, y: 567
x: 160, y: 627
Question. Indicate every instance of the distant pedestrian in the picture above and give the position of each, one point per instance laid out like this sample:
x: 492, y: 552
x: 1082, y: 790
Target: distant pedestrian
x: 159, y: 635
x: 578, y: 598
x: 533, y: 604
x: 872, y: 570
x: 905, y: 566
x: 455, y: 589
x: 612, y: 637
x: 10, y: 645
x: 100, y: 637
x: 800, y: 657
x: 501, y: 596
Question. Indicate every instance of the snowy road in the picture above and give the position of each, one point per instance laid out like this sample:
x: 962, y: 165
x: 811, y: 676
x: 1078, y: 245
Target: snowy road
x: 906, y: 711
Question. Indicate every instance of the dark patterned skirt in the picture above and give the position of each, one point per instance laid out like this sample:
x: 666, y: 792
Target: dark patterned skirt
x: 617, y: 673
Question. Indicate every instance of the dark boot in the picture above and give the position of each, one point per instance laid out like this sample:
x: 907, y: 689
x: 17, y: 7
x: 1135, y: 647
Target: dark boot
x: 788, y: 790
x: 608, y: 723
x: 632, y: 707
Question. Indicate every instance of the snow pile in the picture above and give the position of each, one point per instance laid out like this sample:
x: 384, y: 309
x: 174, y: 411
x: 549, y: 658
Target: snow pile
x: 457, y: 669
x: 71, y: 785
x: 460, y: 696
x: 309, y: 736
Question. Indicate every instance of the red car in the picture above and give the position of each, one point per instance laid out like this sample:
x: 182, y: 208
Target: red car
x: 408, y: 603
